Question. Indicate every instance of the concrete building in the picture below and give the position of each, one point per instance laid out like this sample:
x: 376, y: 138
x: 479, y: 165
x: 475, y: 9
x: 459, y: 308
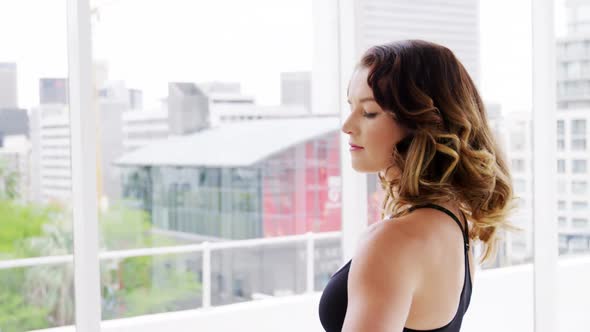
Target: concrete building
x: 13, y: 122
x: 51, y: 176
x: 296, y: 89
x: 515, y: 133
x: 50, y: 138
x: 366, y: 23
x: 275, y: 177
x: 8, y: 85
x: 573, y: 116
x: 114, y: 99
x: 188, y: 108
x: 53, y: 91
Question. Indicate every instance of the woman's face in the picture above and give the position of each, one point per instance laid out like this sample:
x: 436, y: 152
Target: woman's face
x: 371, y: 128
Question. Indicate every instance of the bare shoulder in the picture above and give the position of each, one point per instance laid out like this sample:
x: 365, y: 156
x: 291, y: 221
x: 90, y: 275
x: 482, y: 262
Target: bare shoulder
x: 395, y: 266
x: 413, y: 231
x: 384, y: 275
x: 412, y: 241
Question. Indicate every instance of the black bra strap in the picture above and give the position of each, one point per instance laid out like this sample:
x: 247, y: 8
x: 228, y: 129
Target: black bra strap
x: 452, y: 215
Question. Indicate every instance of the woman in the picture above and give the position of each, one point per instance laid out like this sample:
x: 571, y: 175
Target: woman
x: 417, y: 120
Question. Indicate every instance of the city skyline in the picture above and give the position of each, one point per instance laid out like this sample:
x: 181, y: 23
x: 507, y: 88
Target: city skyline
x: 506, y: 74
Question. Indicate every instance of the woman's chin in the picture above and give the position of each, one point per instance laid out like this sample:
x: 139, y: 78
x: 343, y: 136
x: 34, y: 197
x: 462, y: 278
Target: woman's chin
x: 363, y: 168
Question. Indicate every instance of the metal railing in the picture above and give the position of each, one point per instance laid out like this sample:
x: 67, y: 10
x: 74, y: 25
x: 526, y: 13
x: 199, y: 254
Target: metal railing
x: 206, y: 248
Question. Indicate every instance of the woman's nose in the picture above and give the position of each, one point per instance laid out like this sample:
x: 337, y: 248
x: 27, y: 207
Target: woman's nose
x: 346, y: 130
x: 346, y: 126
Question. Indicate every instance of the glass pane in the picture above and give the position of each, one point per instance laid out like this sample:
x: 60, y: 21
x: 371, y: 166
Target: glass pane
x: 37, y: 297
x: 207, y: 133
x: 150, y: 284
x: 573, y: 109
x: 240, y: 275
x: 504, y: 82
x: 35, y: 167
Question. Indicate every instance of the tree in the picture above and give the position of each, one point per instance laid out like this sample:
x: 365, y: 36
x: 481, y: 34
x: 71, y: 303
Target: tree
x: 8, y: 181
x: 20, y: 222
x: 42, y: 296
x: 128, y: 285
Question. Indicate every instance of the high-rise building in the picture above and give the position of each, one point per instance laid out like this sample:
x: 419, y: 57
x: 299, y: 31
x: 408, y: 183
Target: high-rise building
x: 296, y: 89
x: 135, y: 99
x: 114, y: 99
x: 514, y: 134
x: 53, y: 91
x: 573, y: 117
x: 13, y: 121
x: 51, y: 175
x: 8, y: 85
x: 338, y: 47
x: 188, y: 108
x: 454, y: 25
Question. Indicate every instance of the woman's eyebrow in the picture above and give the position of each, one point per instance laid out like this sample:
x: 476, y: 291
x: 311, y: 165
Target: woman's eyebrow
x: 363, y: 100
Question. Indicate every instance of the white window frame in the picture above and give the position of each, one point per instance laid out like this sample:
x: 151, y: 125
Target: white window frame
x: 83, y: 156
x: 545, y: 237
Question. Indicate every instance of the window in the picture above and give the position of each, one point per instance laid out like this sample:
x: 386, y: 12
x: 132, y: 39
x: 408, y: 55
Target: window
x: 561, y: 166
x: 560, y: 128
x: 572, y: 89
x: 579, y: 187
x: 578, y: 144
x: 579, y: 222
x: 579, y: 166
x: 583, y: 13
x: 579, y: 127
x: 561, y: 186
x: 518, y: 140
x: 519, y: 185
x: 562, y: 221
x: 580, y: 205
x: 518, y: 165
x: 573, y: 70
x: 561, y: 205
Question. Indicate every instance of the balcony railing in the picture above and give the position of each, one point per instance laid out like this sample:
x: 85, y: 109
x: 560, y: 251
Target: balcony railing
x: 205, y: 248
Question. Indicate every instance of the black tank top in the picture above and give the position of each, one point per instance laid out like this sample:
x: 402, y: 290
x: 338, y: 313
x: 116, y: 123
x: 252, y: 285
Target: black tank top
x: 334, y: 300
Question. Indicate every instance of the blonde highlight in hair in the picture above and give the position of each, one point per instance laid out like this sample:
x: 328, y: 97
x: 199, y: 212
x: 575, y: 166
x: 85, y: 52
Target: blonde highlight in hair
x: 450, y: 153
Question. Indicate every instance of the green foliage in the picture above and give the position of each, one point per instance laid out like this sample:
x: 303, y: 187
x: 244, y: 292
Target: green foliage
x: 42, y: 296
x: 146, y: 285
x: 179, y: 286
x: 16, y: 315
x: 136, y: 272
x: 8, y: 182
x: 124, y: 228
x: 19, y: 222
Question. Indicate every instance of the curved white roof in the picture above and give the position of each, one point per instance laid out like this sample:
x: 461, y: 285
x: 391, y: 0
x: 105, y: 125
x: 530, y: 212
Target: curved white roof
x: 231, y: 144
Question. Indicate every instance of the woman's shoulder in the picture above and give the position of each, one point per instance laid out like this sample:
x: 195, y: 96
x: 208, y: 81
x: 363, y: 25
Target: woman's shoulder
x: 393, y: 237
x: 417, y: 227
x: 419, y: 235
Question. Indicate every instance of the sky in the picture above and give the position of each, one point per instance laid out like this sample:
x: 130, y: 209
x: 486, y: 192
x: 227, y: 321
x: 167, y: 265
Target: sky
x: 148, y: 43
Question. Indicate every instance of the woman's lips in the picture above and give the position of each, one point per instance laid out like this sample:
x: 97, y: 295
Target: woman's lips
x: 355, y: 147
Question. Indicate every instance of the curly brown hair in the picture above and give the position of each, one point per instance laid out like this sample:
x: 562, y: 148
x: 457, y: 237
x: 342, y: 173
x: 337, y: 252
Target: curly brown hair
x: 450, y: 153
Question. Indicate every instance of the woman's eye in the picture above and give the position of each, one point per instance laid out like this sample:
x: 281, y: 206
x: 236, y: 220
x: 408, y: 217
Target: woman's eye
x: 369, y: 115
